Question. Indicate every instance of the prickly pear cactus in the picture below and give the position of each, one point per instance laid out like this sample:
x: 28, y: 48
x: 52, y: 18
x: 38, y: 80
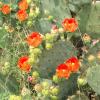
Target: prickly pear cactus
x: 88, y: 24
x: 93, y: 77
x: 41, y: 41
x: 52, y: 9
x: 53, y: 57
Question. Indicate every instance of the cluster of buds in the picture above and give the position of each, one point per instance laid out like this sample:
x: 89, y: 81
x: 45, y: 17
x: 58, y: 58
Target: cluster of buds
x: 47, y: 89
x: 50, y: 90
x: 34, y: 55
x: 43, y: 87
x: 49, y: 39
x: 33, y: 13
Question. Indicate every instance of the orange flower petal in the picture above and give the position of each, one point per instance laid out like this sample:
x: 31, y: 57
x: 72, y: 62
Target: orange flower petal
x: 73, y: 64
x: 23, y: 64
x: 22, y: 15
x: 69, y: 24
x: 62, y: 71
x: 34, y: 39
x: 23, y: 5
x: 5, y: 9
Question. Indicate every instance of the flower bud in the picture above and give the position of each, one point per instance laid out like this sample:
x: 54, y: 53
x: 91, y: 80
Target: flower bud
x: 7, y: 64
x: 55, y: 90
x: 49, y: 46
x: 81, y: 81
x: 45, y: 92
x: 35, y: 74
x: 29, y: 23
x: 55, y: 79
x: 91, y: 58
x: 45, y: 84
x: 37, y: 51
x: 49, y: 37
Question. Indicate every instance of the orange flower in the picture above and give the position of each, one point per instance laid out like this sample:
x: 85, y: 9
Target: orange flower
x: 5, y: 9
x: 23, y: 5
x: 69, y: 24
x: 34, y: 39
x: 73, y: 64
x: 23, y: 64
x: 22, y: 15
x: 62, y: 71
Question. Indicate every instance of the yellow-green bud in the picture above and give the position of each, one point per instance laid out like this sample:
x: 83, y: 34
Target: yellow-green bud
x: 37, y: 51
x: 49, y: 37
x: 35, y: 74
x: 55, y: 91
x: 55, y: 79
x: 45, y: 84
x: 81, y: 81
x: 49, y: 46
x: 45, y: 92
x: 7, y: 64
x: 29, y: 23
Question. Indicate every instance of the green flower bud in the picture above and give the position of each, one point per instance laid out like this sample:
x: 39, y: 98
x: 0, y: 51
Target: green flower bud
x: 81, y: 81
x: 49, y: 37
x: 29, y: 23
x: 45, y: 92
x: 49, y: 46
x: 35, y: 74
x: 55, y: 79
x: 31, y: 60
x: 7, y: 64
x: 45, y: 84
x: 37, y: 51
x: 55, y: 91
